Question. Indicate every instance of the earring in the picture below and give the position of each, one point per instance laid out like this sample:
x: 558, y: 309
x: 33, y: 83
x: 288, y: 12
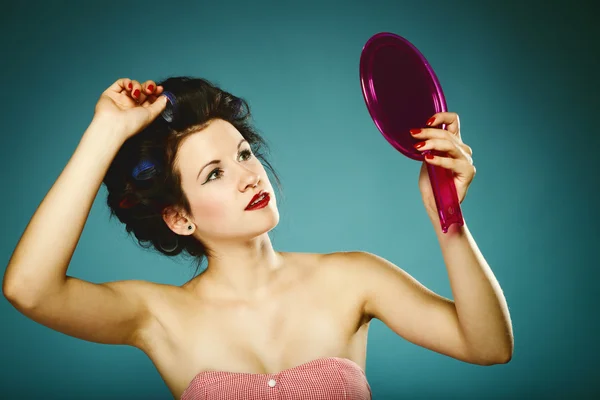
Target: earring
x: 189, y: 227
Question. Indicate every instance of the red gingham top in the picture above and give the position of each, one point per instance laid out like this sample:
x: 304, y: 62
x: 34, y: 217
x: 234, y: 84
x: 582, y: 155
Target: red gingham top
x: 328, y: 378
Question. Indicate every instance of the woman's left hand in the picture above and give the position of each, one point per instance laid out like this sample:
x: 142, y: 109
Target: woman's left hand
x: 446, y: 149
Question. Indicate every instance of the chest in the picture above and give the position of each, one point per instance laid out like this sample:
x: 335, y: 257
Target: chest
x: 301, y: 323
x: 309, y: 320
x: 269, y: 335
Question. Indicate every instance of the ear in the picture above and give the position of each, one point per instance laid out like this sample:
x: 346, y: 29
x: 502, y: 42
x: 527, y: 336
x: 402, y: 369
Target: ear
x: 177, y: 221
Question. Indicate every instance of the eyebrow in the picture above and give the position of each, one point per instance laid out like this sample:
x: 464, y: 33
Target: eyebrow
x: 217, y: 161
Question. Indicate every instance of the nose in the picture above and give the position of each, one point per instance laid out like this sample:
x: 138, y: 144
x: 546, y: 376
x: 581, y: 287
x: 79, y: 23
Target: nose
x: 249, y: 180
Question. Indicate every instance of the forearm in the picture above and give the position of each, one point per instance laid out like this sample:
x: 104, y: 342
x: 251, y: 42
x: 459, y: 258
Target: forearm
x: 42, y: 255
x: 480, y: 304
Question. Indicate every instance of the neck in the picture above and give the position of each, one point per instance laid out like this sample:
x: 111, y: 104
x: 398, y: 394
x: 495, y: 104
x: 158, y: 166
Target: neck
x: 243, y: 270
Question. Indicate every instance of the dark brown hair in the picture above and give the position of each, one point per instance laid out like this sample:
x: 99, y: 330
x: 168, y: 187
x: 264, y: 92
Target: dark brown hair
x: 139, y: 203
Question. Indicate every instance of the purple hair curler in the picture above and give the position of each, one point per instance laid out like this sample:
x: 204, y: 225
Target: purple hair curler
x: 402, y: 92
x: 168, y: 114
x: 236, y: 104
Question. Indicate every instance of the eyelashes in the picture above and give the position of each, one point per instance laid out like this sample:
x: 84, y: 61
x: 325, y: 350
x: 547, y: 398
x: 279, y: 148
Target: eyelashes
x: 247, y: 153
x: 218, y: 172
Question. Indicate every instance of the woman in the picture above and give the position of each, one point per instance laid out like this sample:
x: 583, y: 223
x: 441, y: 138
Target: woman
x: 257, y: 322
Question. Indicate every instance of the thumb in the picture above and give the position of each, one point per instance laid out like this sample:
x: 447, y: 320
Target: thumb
x: 157, y: 107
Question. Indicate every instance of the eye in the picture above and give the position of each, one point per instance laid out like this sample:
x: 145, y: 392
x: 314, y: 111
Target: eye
x: 215, y: 174
x: 246, y: 154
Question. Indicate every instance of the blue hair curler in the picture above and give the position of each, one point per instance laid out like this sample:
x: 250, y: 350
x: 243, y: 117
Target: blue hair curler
x: 144, y: 170
x: 169, y: 112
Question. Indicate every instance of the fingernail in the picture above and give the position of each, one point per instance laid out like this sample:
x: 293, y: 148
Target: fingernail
x: 129, y: 86
x: 419, y: 145
x: 430, y: 121
x: 429, y: 156
x: 150, y: 87
x: 136, y: 93
x: 415, y: 131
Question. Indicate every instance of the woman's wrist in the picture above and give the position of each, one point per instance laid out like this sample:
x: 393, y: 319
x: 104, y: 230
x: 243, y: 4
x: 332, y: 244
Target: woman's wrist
x: 105, y: 130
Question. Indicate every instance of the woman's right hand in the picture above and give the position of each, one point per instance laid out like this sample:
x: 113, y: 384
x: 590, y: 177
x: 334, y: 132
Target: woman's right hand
x: 129, y: 106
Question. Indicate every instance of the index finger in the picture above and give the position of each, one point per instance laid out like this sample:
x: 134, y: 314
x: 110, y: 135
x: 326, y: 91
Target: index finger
x: 451, y: 120
x: 119, y: 85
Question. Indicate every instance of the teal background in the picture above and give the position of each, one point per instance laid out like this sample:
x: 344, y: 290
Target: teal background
x: 521, y: 77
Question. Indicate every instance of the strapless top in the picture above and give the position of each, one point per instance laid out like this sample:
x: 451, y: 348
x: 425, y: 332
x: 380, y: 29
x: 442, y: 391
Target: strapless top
x: 329, y: 378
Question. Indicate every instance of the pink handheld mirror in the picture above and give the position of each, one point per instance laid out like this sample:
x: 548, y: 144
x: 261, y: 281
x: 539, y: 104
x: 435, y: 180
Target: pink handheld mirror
x: 402, y: 92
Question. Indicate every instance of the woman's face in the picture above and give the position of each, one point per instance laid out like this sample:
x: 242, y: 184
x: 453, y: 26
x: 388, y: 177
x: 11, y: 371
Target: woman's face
x: 220, y: 176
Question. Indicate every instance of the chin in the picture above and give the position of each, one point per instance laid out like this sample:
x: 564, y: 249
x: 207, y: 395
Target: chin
x: 257, y: 226
x: 271, y: 220
x: 268, y: 221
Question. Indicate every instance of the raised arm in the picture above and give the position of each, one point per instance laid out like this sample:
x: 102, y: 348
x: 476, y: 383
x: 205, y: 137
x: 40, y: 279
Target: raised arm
x: 36, y: 280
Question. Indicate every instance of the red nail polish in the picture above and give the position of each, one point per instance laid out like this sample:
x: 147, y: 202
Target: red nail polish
x: 429, y: 156
x: 415, y: 131
x: 430, y: 121
x: 129, y: 86
x: 419, y: 145
x: 136, y: 93
x: 150, y: 87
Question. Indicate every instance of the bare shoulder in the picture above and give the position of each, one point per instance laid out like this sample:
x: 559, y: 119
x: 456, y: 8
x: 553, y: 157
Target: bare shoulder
x: 336, y: 282
x: 346, y: 263
x: 325, y: 265
x: 323, y: 272
x: 342, y: 270
x: 362, y: 272
x: 354, y: 264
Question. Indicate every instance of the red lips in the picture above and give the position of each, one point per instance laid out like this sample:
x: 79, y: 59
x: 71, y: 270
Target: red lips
x: 260, y: 204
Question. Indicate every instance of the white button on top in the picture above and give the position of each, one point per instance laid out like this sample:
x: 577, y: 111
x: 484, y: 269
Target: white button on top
x: 272, y: 383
